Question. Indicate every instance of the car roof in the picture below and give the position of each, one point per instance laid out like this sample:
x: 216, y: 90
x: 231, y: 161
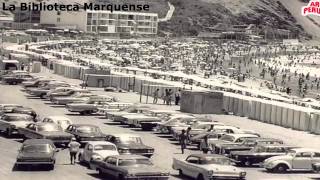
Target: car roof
x: 99, y: 143
x: 125, y: 135
x: 16, y: 115
x: 37, y: 141
x: 129, y: 156
x: 241, y: 135
x: 207, y: 155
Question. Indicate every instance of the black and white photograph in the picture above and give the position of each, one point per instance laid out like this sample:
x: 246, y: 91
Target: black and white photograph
x: 159, y: 89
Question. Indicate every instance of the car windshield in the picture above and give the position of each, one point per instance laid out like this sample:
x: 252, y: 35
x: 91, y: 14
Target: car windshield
x: 133, y: 162
x: 103, y: 147
x: 36, y: 148
x: 49, y: 128
x: 215, y: 160
x: 87, y: 129
x: 18, y: 118
x: 128, y: 140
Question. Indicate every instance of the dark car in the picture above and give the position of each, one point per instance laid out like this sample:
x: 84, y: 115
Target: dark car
x: 258, y: 154
x: 130, y: 144
x: 25, y: 110
x: 16, y: 78
x: 43, y: 130
x: 248, y: 144
x: 37, y: 152
x: 35, y: 83
x: 86, y: 132
x: 11, y: 122
x: 125, y: 167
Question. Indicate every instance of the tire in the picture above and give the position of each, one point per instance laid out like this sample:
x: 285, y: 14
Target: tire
x: 51, y: 167
x: 180, y: 172
x: 101, y: 174
x: 200, y: 177
x: 121, y: 177
x: 80, y: 158
x: 82, y: 113
x: 281, y: 168
x: 9, y: 132
x: 42, y: 96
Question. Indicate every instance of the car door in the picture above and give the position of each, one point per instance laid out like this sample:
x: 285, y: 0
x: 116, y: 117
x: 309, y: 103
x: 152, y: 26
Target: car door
x: 190, y: 168
x: 302, y: 160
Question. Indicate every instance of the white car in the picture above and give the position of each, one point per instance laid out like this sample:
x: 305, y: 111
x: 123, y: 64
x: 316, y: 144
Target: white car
x: 299, y: 159
x: 207, y: 167
x: 62, y: 121
x: 94, y: 150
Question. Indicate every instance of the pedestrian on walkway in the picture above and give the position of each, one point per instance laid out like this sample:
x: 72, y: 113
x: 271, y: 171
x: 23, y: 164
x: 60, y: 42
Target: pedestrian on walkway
x: 177, y: 97
x: 74, y: 148
x: 155, y: 96
x: 183, y: 140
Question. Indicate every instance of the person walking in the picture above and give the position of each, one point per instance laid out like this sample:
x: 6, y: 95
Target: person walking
x: 188, y: 135
x: 204, y: 145
x: 183, y: 140
x: 74, y: 148
x: 177, y: 97
x: 155, y: 96
x: 169, y: 97
x: 165, y: 96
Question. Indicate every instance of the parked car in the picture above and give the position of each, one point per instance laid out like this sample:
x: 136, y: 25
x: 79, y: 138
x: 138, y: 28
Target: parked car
x: 175, y: 121
x: 10, y: 123
x: 90, y: 106
x: 248, y: 144
x: 134, y: 120
x: 130, y: 110
x: 35, y: 83
x: 86, y: 132
x: 207, y: 167
x: 42, y: 91
x: 7, y: 108
x: 97, y: 150
x: 212, y: 135
x: 37, y: 152
x: 259, y: 153
x: 43, y: 130
x: 130, y: 144
x: 298, y: 159
x: 26, y: 110
x: 65, y: 91
x: 62, y: 121
x: 16, y: 78
x: 127, y: 167
x: 228, y: 139
x: 75, y: 98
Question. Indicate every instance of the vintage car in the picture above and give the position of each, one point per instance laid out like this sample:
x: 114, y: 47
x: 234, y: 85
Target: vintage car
x: 25, y: 110
x: 90, y: 106
x: 97, y: 150
x: 8, y: 108
x: 16, y: 78
x: 43, y: 130
x: 35, y: 83
x: 86, y: 132
x: 130, y: 144
x: 37, y: 152
x: 43, y: 90
x: 10, y: 123
x: 175, y: 121
x: 298, y: 159
x: 228, y: 139
x: 134, y: 120
x: 248, y: 144
x: 65, y: 91
x: 62, y: 121
x: 212, y: 135
x: 75, y: 98
x: 196, y: 128
x: 118, y: 116
x: 113, y: 107
x: 207, y: 167
x: 126, y: 167
x: 258, y: 154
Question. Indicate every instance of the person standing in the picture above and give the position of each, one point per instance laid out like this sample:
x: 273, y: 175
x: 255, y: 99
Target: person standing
x: 74, y: 148
x: 177, y: 97
x: 204, y: 146
x: 155, y: 96
x: 165, y: 96
x: 183, y: 140
x: 188, y: 135
x: 169, y: 97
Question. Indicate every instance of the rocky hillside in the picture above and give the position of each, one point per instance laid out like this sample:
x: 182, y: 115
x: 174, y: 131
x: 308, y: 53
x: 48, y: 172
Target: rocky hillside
x: 194, y: 16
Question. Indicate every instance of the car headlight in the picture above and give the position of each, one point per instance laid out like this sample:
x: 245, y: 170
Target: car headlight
x: 150, y: 150
x: 96, y: 157
x: 165, y: 174
x: 243, y: 174
x: 210, y: 173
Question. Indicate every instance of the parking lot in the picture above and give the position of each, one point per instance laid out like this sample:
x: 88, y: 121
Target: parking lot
x: 165, y: 149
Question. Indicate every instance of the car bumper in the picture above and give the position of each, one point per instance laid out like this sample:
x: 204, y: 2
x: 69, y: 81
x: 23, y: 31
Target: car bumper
x: 35, y: 162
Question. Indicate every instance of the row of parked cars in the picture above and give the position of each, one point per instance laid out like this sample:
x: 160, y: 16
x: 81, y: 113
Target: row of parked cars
x: 112, y: 153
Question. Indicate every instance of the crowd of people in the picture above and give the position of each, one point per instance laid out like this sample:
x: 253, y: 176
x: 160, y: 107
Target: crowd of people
x: 168, y: 96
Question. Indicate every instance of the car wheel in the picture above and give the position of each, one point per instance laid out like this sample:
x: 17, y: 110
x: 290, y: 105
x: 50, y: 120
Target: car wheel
x: 42, y: 96
x: 247, y: 163
x: 121, y: 177
x: 82, y: 113
x: 9, y: 132
x: 180, y: 172
x: 80, y: 157
x: 281, y: 168
x: 101, y: 174
x: 200, y: 177
x: 51, y: 167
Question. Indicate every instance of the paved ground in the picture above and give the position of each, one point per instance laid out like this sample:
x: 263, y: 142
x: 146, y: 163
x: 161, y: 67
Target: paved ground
x: 165, y: 149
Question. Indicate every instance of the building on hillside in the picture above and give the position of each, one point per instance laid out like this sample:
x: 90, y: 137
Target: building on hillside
x: 104, y: 22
